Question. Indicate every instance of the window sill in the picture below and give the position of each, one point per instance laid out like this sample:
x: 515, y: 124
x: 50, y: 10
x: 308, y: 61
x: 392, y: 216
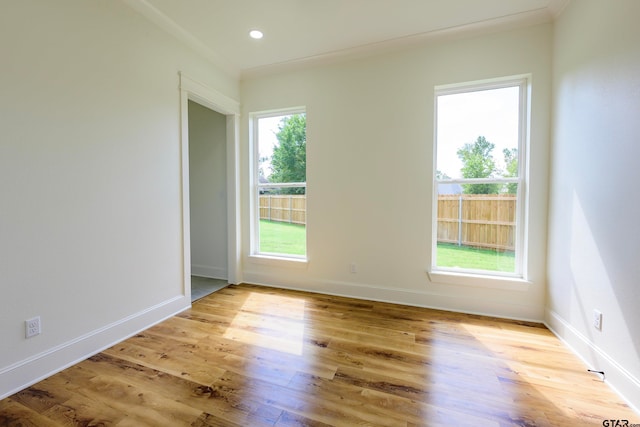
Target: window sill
x: 277, y: 261
x: 479, y: 280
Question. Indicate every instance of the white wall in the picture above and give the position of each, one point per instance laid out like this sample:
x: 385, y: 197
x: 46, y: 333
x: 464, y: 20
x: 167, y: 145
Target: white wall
x: 369, y: 164
x: 90, y: 212
x: 594, y: 235
x: 208, y: 191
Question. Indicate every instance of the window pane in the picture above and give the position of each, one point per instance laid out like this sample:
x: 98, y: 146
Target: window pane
x: 478, y: 145
x: 282, y: 148
x: 478, y: 134
x: 477, y: 229
x: 281, y: 145
x: 282, y: 222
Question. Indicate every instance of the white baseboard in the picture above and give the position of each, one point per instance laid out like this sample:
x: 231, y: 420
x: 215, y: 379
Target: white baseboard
x: 618, y: 378
x: 211, y: 272
x: 459, y: 303
x: 40, y: 366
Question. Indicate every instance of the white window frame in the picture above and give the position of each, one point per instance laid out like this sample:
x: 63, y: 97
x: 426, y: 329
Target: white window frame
x: 256, y: 186
x: 494, y: 279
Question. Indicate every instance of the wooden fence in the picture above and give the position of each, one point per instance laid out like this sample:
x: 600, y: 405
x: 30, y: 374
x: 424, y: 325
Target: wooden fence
x: 284, y: 208
x: 479, y: 220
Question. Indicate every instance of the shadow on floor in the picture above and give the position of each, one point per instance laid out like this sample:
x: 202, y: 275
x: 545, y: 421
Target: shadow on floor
x: 203, y: 286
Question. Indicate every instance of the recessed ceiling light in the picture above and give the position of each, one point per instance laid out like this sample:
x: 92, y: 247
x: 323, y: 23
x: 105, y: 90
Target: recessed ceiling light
x: 256, y: 34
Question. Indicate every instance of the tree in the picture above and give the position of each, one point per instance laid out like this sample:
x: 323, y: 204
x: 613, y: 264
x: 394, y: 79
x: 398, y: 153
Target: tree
x: 511, y: 162
x: 478, y: 162
x: 289, y: 161
x: 441, y: 175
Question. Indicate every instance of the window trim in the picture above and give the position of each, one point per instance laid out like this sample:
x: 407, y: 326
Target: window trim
x: 487, y: 278
x: 255, y: 186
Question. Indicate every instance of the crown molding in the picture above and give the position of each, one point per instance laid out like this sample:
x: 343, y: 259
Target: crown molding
x: 170, y: 26
x: 557, y: 7
x: 503, y: 23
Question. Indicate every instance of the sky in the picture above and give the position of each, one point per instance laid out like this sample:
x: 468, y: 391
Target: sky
x: 465, y: 116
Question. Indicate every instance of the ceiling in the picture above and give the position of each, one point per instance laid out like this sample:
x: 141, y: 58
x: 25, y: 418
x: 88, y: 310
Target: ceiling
x: 297, y: 31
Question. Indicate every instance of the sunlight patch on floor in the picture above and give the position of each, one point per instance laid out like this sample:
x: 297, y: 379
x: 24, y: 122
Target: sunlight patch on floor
x: 537, y: 364
x: 270, y: 321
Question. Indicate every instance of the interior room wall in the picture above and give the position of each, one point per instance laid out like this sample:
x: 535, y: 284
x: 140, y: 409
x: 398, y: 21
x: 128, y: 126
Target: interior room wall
x: 370, y: 132
x: 594, y: 237
x: 90, y: 213
x: 208, y: 191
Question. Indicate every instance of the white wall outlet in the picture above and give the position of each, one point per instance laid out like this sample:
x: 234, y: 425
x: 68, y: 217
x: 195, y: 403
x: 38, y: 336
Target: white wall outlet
x: 597, y: 320
x: 32, y: 327
x: 353, y: 268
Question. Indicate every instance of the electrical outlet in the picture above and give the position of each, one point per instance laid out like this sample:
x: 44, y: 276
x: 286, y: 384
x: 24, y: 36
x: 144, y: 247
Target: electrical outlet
x: 597, y: 320
x: 32, y: 327
x: 353, y: 268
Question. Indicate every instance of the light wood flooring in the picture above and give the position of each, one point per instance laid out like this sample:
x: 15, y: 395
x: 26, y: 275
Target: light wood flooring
x: 254, y: 356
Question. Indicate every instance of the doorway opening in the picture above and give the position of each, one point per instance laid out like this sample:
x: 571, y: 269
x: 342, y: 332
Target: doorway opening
x: 207, y: 200
x: 210, y: 205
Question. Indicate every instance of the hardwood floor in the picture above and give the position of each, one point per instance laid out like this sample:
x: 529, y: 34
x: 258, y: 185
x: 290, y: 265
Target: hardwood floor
x: 254, y: 356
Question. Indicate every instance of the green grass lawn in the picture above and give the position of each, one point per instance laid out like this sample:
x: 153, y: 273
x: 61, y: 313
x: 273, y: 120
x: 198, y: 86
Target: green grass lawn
x: 452, y: 255
x: 291, y: 239
x: 283, y: 238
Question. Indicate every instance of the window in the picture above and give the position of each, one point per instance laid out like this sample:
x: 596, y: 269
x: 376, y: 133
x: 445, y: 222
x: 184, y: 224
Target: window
x: 279, y: 142
x: 479, y: 178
